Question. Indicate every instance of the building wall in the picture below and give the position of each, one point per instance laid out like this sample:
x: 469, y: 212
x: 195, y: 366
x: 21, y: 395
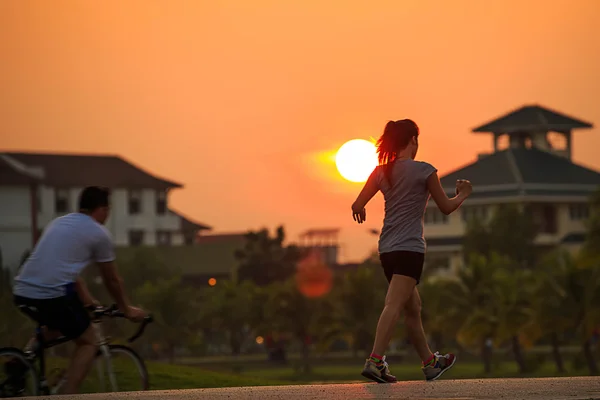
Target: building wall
x: 454, y: 226
x: 15, y: 224
x: 120, y: 221
x: 567, y: 225
x: 15, y: 218
x: 177, y: 239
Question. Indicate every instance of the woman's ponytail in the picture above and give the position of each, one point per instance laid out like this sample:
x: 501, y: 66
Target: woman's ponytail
x: 396, y: 136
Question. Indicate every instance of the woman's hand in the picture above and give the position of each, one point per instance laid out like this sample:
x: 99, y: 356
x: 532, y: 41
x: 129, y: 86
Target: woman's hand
x: 369, y: 190
x: 464, y: 188
x: 359, y: 215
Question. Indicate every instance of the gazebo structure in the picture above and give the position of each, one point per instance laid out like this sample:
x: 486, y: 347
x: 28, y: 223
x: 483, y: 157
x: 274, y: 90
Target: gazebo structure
x: 534, y: 167
x: 324, y: 241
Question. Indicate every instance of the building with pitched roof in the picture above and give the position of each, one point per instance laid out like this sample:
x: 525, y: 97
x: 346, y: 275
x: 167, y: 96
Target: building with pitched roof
x: 531, y: 164
x: 35, y: 188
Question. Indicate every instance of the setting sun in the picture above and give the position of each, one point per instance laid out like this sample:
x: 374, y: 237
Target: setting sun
x: 356, y: 159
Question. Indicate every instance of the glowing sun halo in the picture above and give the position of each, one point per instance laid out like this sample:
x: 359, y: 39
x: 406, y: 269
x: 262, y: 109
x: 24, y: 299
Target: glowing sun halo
x: 356, y: 159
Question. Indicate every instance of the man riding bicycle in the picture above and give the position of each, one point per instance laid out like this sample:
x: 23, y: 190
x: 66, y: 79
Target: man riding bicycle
x: 49, y: 288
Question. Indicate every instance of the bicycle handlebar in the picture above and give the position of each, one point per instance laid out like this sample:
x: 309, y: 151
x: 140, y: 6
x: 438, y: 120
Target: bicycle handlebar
x: 114, y: 312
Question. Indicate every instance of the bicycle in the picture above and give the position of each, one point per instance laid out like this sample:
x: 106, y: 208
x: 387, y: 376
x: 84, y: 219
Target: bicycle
x: 23, y: 362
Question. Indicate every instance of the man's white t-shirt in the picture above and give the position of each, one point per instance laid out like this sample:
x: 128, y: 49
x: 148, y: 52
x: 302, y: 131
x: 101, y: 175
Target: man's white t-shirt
x: 68, y: 245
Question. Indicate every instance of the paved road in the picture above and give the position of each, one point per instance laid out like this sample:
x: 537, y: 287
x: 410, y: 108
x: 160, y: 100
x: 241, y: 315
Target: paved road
x: 509, y: 389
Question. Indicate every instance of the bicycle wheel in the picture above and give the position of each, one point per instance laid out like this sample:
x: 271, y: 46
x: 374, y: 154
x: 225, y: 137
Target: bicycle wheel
x: 116, y: 369
x: 18, y: 377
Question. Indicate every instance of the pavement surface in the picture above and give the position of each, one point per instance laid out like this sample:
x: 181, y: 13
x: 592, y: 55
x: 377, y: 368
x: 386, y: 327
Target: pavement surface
x: 527, y: 389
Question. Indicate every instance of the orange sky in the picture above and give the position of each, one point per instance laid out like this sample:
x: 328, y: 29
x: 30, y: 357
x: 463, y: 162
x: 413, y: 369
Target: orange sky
x: 237, y: 99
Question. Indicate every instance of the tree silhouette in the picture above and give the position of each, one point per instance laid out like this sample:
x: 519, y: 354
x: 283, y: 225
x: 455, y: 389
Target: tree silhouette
x: 510, y: 233
x: 265, y: 259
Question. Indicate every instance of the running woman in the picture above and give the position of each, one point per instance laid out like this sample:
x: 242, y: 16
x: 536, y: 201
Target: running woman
x: 406, y: 185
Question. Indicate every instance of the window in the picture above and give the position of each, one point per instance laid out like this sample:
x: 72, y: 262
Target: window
x: 578, y: 212
x: 136, y: 238
x: 135, y: 202
x: 474, y: 213
x: 189, y: 238
x: 161, y: 202
x: 61, y: 200
x: 548, y: 219
x: 163, y: 238
x: 435, y: 216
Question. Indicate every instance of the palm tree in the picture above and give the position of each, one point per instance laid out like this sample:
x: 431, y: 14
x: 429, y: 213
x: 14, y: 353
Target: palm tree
x: 230, y: 308
x: 288, y: 310
x: 173, y: 308
x: 475, y: 304
x: 360, y: 296
x: 265, y: 259
x: 512, y: 293
x: 441, y: 312
x: 570, y: 299
x: 587, y: 277
x: 583, y: 282
x: 553, y: 315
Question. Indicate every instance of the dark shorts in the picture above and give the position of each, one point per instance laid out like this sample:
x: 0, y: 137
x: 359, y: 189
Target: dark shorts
x: 65, y: 314
x: 407, y: 263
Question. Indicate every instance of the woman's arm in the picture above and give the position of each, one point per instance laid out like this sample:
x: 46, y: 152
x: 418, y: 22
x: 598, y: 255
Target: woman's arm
x: 445, y: 204
x: 366, y: 194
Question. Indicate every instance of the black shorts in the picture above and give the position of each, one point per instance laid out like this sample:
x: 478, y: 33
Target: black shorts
x: 65, y: 314
x: 407, y: 263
